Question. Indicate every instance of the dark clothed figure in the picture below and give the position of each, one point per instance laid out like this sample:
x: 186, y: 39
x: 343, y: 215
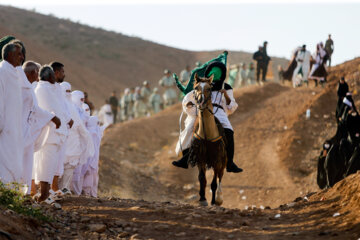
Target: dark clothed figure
x: 261, y: 65
x: 267, y: 59
x: 342, y: 89
x: 114, y: 102
x: 329, y: 48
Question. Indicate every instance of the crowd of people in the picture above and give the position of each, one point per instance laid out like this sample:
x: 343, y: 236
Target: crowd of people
x: 49, y: 140
x: 143, y: 101
x: 340, y: 155
x: 304, y: 66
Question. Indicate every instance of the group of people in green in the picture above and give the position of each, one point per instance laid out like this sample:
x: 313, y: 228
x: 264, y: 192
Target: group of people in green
x: 144, y: 101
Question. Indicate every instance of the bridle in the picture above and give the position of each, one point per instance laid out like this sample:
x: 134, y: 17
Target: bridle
x: 202, y: 110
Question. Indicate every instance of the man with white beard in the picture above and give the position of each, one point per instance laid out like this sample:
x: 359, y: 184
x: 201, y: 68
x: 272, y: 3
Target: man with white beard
x: 59, y: 72
x: 11, y: 134
x: 79, y: 145
x: 34, y: 118
x: 47, y: 158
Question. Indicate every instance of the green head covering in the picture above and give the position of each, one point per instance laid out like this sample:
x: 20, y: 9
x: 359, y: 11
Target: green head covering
x: 3, y: 41
x: 217, y: 72
x: 222, y: 58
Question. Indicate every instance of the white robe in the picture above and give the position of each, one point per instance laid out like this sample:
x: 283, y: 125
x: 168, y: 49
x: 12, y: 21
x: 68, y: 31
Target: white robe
x: 303, y: 63
x: 89, y: 170
x: 11, y: 134
x: 67, y: 117
x: 47, y: 159
x: 34, y: 120
x: 221, y: 114
x: 79, y: 145
x: 106, y: 116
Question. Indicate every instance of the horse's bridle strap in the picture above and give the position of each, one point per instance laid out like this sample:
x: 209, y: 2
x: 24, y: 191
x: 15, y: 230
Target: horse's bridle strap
x: 211, y: 140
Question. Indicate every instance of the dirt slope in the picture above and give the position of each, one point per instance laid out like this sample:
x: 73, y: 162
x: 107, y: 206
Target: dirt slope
x: 331, y: 214
x: 94, y: 57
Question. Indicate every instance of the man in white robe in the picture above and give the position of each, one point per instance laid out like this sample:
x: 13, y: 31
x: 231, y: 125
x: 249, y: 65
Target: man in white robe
x: 11, y: 134
x: 224, y: 104
x: 90, y: 170
x: 34, y: 118
x: 105, y: 115
x: 59, y: 72
x: 78, y: 98
x: 79, y: 145
x: 46, y: 160
x: 302, y: 68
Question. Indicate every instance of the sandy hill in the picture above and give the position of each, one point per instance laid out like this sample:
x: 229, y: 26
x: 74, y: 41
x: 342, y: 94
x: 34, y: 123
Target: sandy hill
x: 100, y: 61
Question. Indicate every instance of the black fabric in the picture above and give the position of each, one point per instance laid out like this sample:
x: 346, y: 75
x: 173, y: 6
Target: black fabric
x: 261, y: 69
x: 353, y: 127
x: 227, y: 86
x: 354, y: 162
x: 288, y: 73
x: 259, y: 57
x: 266, y: 56
x: 321, y: 173
x: 229, y: 134
x: 342, y: 89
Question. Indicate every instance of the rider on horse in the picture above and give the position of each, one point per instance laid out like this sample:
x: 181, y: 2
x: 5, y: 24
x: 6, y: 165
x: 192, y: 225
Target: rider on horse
x: 224, y: 104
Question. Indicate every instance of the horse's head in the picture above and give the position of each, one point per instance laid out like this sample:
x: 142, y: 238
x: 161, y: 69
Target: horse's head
x: 202, y: 91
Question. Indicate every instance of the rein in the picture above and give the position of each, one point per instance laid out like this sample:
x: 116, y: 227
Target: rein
x: 202, y: 119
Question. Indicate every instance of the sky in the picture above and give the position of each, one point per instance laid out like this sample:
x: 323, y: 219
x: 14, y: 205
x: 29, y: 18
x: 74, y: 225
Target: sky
x: 208, y: 25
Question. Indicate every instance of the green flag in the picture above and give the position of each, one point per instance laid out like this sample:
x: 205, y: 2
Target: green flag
x: 201, y: 73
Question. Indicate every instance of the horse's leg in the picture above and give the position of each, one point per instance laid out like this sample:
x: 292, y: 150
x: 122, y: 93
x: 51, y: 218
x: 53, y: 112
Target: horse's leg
x: 219, y: 198
x: 213, y: 188
x: 202, y: 180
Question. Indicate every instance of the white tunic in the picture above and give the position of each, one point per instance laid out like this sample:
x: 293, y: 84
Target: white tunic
x: 34, y: 120
x: 221, y: 114
x: 106, y: 116
x: 11, y: 134
x: 47, y: 159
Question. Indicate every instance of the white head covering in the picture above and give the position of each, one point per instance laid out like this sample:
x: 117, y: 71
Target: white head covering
x: 127, y: 90
x: 76, y: 97
x: 86, y: 109
x: 66, y: 87
x: 93, y: 124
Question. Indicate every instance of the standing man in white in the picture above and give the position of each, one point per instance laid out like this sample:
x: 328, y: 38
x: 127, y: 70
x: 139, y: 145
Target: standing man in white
x: 47, y: 158
x: 34, y: 118
x: 11, y: 134
x: 302, y: 68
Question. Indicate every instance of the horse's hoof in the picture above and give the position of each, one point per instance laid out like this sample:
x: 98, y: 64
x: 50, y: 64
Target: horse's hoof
x: 203, y: 203
x: 218, y: 199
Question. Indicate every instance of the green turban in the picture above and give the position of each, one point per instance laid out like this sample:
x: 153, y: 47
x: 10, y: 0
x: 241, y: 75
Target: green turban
x: 3, y: 41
